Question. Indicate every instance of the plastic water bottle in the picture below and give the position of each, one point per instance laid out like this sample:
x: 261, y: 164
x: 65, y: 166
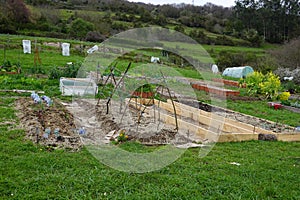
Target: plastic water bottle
x: 47, y: 100
x: 82, y: 131
x: 37, y: 99
x: 56, y: 132
x: 48, y: 131
x: 34, y: 95
x: 45, y: 136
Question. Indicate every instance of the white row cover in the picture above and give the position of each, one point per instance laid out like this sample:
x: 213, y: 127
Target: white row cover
x: 93, y: 49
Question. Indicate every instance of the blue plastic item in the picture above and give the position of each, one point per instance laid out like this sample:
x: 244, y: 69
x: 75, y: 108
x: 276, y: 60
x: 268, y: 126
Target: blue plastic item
x: 82, y: 131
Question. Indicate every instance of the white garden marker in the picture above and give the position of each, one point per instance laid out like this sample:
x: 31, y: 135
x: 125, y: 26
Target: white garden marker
x: 26, y: 46
x: 65, y: 49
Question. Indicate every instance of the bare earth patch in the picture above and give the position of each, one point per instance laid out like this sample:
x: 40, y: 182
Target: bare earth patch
x: 36, y: 118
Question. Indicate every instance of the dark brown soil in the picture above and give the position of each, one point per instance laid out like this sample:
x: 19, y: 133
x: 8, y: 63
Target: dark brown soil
x: 36, y: 118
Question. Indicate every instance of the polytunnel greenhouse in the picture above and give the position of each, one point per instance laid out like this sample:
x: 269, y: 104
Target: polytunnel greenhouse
x: 238, y: 72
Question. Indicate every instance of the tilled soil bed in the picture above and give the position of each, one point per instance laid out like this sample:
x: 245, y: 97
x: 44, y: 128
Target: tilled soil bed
x: 102, y: 127
x: 37, y: 119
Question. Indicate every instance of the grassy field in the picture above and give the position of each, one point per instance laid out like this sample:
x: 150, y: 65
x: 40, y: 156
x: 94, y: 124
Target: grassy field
x: 268, y: 170
x: 51, y: 57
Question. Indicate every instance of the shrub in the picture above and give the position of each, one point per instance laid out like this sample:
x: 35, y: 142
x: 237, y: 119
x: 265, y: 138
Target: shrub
x: 94, y: 36
x: 284, y: 96
x: 252, y: 81
x: 267, y: 85
x: 270, y: 86
x: 79, y: 28
x: 223, y: 40
x: 70, y: 71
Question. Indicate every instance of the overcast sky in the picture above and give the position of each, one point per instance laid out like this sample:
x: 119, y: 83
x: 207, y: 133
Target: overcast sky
x: 225, y: 3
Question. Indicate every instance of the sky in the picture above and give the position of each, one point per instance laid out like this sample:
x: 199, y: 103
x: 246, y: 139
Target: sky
x: 224, y: 3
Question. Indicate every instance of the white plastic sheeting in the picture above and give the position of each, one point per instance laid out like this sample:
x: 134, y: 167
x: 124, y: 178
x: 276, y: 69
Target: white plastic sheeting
x: 288, y: 78
x: 78, y: 86
x: 26, y: 46
x: 155, y: 59
x: 215, y: 69
x: 93, y: 49
x: 65, y: 49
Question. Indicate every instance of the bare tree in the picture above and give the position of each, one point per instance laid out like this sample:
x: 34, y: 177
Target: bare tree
x: 289, y: 55
x: 18, y: 11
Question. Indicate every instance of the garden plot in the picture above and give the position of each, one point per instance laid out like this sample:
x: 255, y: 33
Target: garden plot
x: 88, y: 122
x: 102, y: 127
x: 51, y: 126
x: 243, y: 118
x: 220, y: 126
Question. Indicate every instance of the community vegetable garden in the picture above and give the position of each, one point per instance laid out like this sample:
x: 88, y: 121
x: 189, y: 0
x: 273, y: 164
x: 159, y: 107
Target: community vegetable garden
x: 42, y: 142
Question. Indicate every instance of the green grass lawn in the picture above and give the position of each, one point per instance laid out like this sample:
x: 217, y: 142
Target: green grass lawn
x: 49, y: 59
x: 268, y: 170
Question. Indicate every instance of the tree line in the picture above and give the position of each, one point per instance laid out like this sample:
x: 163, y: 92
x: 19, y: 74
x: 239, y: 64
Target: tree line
x: 274, y: 20
x: 254, y: 21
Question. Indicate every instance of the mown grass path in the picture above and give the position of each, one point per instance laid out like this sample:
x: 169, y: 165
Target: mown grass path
x: 267, y: 170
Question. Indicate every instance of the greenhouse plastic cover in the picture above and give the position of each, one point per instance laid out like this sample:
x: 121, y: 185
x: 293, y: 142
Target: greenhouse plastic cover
x: 238, y: 72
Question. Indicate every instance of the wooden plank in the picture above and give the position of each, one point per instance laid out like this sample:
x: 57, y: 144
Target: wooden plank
x: 23, y: 91
x: 238, y: 134
x: 237, y: 137
x: 234, y: 123
x: 288, y: 137
x: 168, y: 119
x: 210, y: 120
x: 198, y: 115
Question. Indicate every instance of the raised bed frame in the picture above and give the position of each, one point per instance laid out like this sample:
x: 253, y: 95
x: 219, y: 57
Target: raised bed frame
x: 215, y: 90
x: 230, y: 130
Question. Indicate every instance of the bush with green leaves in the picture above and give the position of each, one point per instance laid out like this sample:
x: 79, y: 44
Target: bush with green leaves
x: 21, y: 82
x: 259, y: 84
x: 69, y: 71
x: 9, y: 67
